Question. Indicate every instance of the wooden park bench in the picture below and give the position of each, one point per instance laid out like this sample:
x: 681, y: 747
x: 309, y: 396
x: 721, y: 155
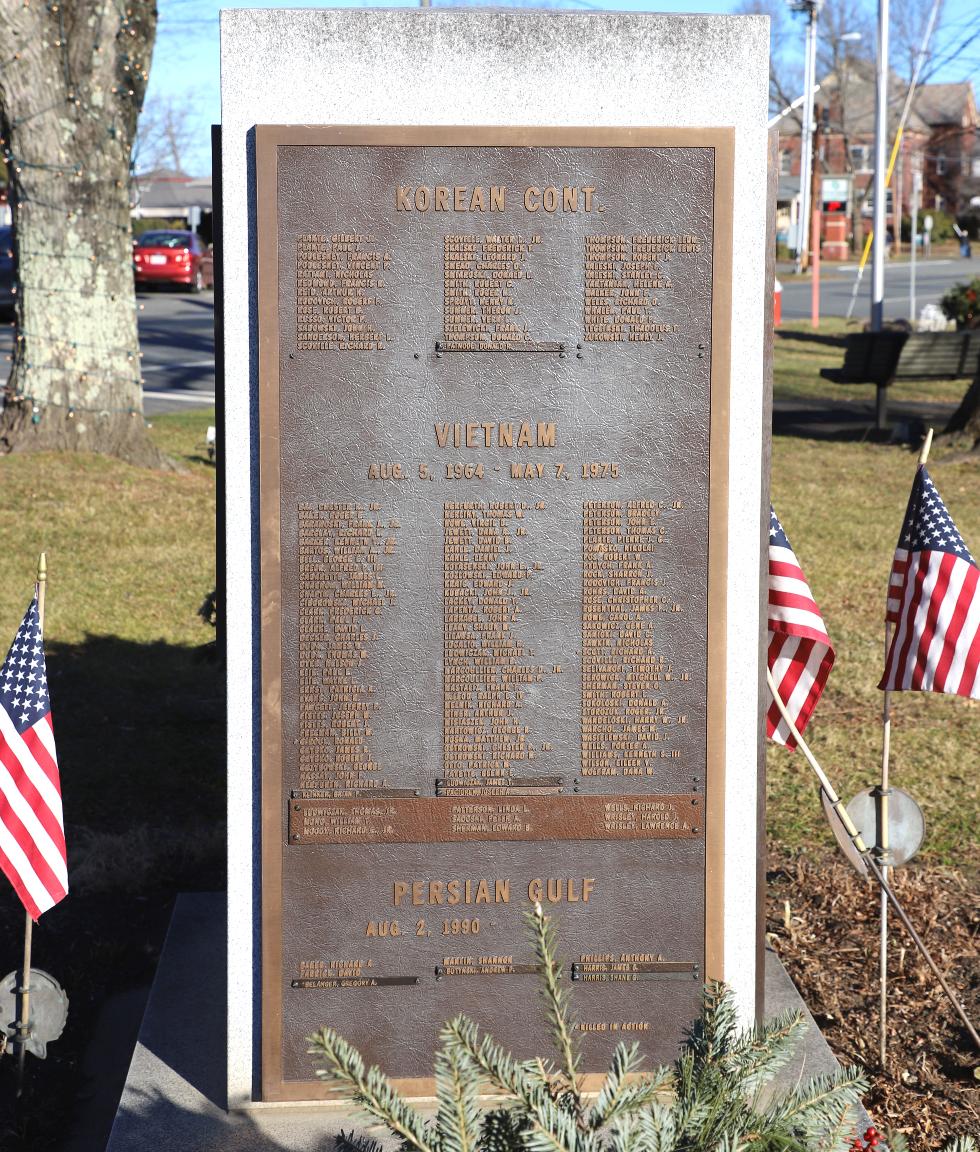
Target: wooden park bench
x: 881, y: 358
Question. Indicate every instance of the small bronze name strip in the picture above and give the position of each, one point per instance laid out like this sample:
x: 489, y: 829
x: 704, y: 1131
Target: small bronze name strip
x: 515, y: 786
x: 331, y: 793
x: 444, y: 970
x: 627, y: 972
x: 445, y: 820
x: 509, y: 346
x: 356, y: 982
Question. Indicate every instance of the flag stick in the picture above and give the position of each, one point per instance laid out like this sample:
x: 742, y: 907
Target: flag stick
x: 24, y: 991
x: 838, y: 806
x: 881, y: 850
x: 883, y: 846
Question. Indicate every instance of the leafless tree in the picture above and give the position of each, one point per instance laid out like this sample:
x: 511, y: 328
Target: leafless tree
x: 785, y: 77
x: 166, y: 133
x: 72, y: 83
x: 837, y: 18
x: 856, y: 18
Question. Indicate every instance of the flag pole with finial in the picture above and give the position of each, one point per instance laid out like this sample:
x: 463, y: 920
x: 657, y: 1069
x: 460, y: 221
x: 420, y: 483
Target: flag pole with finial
x: 882, y: 846
x: 24, y: 991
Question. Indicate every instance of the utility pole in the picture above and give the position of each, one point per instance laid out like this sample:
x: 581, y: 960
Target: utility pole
x: 816, y: 200
x: 881, y: 170
x: 916, y: 197
x: 812, y: 9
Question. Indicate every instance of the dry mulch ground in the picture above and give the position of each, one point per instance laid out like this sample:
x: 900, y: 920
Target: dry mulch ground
x: 823, y: 922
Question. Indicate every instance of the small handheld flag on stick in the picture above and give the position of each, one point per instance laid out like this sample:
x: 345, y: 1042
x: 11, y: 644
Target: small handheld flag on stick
x: 800, y: 654
x: 932, y: 634
x: 882, y: 848
x: 32, y: 830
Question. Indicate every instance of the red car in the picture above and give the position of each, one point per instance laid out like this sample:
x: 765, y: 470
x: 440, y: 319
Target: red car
x: 173, y: 258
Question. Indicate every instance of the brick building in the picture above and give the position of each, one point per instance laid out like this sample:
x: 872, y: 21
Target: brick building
x: 941, y: 140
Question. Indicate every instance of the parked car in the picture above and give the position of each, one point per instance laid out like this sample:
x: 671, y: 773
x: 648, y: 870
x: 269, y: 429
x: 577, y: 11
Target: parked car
x: 8, y: 270
x: 173, y: 258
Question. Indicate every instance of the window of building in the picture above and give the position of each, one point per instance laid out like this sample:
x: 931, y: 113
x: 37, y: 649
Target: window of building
x: 868, y: 208
x: 975, y: 168
x: 939, y: 204
x: 861, y: 157
x: 940, y: 164
x: 785, y: 163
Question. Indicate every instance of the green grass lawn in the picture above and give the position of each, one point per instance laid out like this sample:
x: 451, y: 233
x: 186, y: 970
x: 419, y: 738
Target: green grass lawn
x: 130, y: 556
x: 842, y: 506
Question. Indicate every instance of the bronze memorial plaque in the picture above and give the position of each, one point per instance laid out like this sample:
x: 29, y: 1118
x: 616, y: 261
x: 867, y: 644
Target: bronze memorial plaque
x: 493, y: 424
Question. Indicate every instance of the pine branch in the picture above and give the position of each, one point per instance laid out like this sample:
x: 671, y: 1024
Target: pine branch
x: 716, y: 1031
x: 555, y: 997
x: 544, y: 1138
x: 370, y: 1089
x: 730, y: 1143
x: 457, y: 1089
x: 838, y: 1136
x: 503, y: 1131
x: 624, y: 1061
x: 617, y: 1097
x: 817, y: 1105
x: 704, y: 1104
x: 656, y: 1130
x: 642, y: 1094
x: 355, y: 1142
x: 551, y: 1126
x: 759, y: 1053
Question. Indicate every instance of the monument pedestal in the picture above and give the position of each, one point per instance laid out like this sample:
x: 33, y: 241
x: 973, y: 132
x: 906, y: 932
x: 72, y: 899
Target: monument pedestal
x: 496, y: 500
x: 175, y: 1092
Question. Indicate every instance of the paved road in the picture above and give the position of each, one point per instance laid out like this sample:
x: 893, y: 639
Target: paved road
x: 177, y: 341
x: 177, y: 330
x: 932, y: 279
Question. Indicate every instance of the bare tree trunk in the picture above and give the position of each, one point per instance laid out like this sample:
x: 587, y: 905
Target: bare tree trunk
x: 69, y: 100
x: 963, y: 429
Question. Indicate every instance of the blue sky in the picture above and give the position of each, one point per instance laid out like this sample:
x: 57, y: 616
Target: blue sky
x: 186, y: 68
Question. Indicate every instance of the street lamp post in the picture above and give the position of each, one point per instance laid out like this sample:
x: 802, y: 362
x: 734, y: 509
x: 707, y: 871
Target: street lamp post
x: 916, y: 199
x: 880, y: 222
x: 812, y: 10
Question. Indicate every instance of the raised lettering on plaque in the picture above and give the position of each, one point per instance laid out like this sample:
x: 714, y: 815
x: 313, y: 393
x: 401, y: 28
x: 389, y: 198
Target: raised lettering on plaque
x: 493, y: 392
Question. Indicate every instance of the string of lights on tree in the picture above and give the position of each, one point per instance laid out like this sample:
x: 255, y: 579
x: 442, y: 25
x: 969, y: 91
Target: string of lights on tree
x: 72, y: 409
x: 76, y: 174
x: 44, y: 338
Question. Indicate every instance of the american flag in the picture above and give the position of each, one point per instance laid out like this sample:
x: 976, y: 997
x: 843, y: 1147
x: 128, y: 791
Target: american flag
x: 933, y: 602
x: 32, y: 828
x: 800, y: 653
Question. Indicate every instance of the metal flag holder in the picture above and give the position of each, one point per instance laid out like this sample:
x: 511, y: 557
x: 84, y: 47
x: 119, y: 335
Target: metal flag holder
x: 48, y: 1013
x: 844, y: 829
